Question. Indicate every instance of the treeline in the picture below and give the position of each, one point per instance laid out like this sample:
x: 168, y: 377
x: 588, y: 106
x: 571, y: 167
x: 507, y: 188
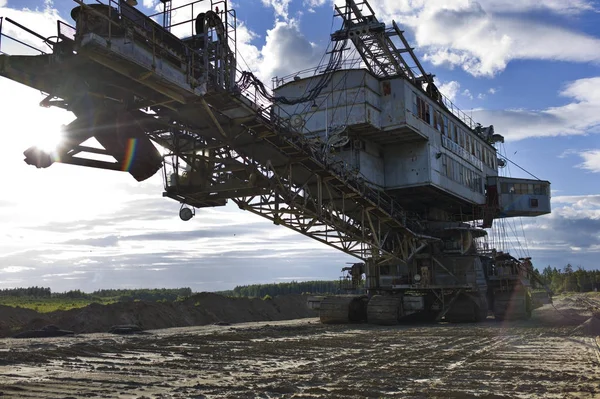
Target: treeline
x: 294, y: 287
x: 122, y: 295
x: 33, y: 292
x: 570, y: 280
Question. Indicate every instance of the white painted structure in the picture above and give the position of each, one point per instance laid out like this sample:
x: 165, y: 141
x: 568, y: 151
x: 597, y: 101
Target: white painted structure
x: 401, y: 140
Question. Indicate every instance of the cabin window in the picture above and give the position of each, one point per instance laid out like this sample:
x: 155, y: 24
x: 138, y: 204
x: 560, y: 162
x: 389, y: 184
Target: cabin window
x: 415, y: 106
x: 461, y: 135
x: 478, y: 186
x: 519, y: 189
x: 455, y: 132
x: 507, y: 188
x: 533, y: 202
x: 449, y: 169
x: 468, y: 178
x: 478, y: 150
x: 437, y: 121
x: 459, y: 173
x: 539, y: 189
x: 421, y: 109
x: 523, y: 188
x: 445, y: 128
x: 445, y: 161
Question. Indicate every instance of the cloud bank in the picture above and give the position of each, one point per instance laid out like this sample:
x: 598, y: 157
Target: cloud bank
x: 483, y: 36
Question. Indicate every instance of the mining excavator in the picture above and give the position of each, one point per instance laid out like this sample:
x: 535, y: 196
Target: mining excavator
x: 362, y: 153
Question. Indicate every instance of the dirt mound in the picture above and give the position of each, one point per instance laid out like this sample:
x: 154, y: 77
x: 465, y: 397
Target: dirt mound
x: 13, y: 319
x: 200, y: 309
x: 562, y: 313
x: 589, y: 327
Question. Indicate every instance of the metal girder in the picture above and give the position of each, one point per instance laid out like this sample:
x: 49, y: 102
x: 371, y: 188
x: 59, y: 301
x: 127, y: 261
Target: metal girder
x: 312, y: 211
x: 297, y: 196
x: 373, y: 42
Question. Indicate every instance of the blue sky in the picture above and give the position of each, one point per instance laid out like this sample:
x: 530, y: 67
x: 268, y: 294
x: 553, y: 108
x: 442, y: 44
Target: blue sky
x: 530, y: 68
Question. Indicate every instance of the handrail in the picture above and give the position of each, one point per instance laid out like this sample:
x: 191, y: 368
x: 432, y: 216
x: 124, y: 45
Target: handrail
x: 445, y: 101
x: 45, y: 40
x: 277, y: 81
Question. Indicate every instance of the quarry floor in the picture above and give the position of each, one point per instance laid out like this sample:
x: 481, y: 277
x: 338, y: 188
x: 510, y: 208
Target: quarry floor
x: 553, y: 355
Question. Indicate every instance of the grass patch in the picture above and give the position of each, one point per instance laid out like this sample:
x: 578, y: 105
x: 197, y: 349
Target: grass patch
x: 47, y: 305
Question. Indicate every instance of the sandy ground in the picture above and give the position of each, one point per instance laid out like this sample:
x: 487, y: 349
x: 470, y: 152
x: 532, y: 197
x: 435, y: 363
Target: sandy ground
x: 553, y: 355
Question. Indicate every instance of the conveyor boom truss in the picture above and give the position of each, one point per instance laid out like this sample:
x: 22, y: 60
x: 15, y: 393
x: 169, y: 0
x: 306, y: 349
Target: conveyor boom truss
x: 375, y: 43
x: 305, y: 194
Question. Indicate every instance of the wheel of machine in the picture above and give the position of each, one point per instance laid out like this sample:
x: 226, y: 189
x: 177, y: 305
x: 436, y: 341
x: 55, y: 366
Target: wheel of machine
x: 512, y: 305
x: 343, y: 309
x: 468, y: 308
x: 384, y: 309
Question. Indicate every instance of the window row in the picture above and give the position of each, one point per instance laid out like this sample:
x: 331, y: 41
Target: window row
x: 524, y: 188
x: 458, y: 172
x: 426, y: 112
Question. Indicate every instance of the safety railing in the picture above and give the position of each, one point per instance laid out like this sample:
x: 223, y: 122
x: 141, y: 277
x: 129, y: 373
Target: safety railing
x: 190, y: 10
x: 466, y: 119
x: 31, y: 37
x: 346, y: 64
x: 353, y: 63
x: 213, y: 59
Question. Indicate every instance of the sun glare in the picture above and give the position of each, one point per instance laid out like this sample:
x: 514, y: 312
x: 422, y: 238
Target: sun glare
x: 47, y: 139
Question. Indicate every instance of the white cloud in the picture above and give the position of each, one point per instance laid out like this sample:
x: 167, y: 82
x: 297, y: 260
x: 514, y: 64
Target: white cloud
x: 150, y: 3
x: 467, y: 93
x: 394, y: 8
x: 43, y: 22
x: 483, y: 36
x: 492, y: 90
x: 583, y: 202
x: 286, y: 51
x: 579, y: 117
x: 570, y: 234
x: 279, y: 6
x: 450, y: 89
x: 556, y: 6
x: 481, y: 96
x: 314, y: 3
x: 591, y: 160
x: 15, y: 269
x: 250, y: 54
x: 2, y: 3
